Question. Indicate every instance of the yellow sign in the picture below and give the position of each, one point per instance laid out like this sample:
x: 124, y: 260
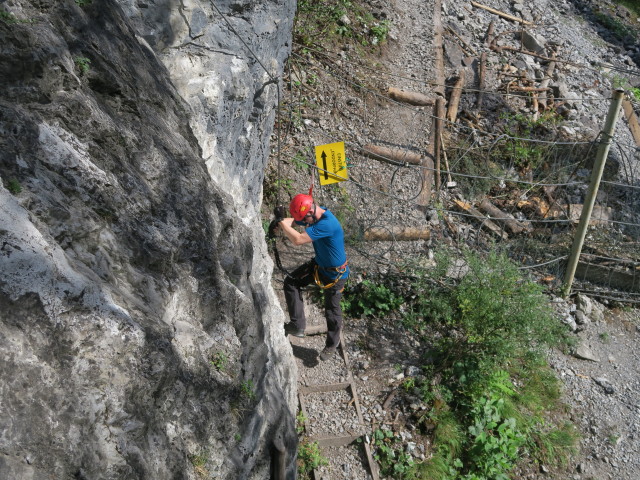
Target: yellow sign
x: 332, y: 163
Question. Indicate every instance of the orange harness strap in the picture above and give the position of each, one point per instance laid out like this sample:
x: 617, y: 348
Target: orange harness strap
x: 342, y: 269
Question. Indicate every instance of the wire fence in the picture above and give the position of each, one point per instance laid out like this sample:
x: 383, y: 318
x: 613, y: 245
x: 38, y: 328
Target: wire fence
x: 519, y: 188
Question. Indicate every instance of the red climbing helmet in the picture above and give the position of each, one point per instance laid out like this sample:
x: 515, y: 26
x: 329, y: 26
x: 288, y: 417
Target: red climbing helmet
x: 300, y: 206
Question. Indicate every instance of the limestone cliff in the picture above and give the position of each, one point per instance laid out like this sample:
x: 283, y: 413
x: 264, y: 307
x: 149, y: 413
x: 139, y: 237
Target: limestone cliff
x: 139, y: 335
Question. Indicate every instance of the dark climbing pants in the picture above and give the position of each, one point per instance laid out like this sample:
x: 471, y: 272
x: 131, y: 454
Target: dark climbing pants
x: 293, y: 285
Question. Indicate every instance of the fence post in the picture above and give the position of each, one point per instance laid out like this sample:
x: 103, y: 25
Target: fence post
x: 589, y: 201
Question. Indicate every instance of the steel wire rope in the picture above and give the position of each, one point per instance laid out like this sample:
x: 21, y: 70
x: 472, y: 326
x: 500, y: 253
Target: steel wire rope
x: 506, y: 179
x: 487, y: 133
x: 480, y: 177
x: 459, y: 125
x: 465, y: 89
x: 272, y: 79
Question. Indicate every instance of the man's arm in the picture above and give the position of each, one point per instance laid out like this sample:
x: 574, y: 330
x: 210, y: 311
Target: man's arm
x: 294, y: 236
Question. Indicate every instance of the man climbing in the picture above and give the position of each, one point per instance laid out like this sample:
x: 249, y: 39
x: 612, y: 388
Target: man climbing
x: 329, y: 269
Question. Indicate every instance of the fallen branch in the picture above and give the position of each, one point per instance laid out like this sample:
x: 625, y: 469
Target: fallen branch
x: 518, y: 88
x: 509, y: 220
x: 492, y: 227
x: 462, y: 40
x: 501, y: 14
x: 534, y: 54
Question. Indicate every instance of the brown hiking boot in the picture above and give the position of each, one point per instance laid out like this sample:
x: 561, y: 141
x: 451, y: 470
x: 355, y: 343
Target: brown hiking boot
x: 327, y: 353
x: 291, y: 329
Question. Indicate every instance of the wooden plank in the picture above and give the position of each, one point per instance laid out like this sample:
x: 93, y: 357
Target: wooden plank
x: 327, y: 441
x: 438, y: 49
x: 329, y: 387
x: 373, y: 466
x: 315, y: 329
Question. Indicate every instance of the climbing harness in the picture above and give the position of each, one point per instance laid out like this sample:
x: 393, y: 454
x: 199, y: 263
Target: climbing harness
x: 342, y: 269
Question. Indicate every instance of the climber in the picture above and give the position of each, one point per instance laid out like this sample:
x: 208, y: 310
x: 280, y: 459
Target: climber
x: 328, y: 269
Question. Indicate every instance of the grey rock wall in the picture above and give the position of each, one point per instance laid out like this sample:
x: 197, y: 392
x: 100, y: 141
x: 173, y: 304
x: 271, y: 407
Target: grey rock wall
x: 139, y: 334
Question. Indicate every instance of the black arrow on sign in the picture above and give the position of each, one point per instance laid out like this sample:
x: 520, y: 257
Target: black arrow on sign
x: 324, y: 165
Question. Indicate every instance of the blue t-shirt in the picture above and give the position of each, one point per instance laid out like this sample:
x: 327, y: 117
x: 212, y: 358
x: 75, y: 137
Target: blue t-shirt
x: 328, y: 242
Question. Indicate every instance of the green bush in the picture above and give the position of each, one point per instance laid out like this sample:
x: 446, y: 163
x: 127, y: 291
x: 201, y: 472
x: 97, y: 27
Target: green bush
x: 14, y: 186
x: 309, y: 458
x: 488, y: 329
x: 492, y: 315
x: 393, y: 460
x: 369, y: 298
x: 83, y: 64
x: 320, y: 23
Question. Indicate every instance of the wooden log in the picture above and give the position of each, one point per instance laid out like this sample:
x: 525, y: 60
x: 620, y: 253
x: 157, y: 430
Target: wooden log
x: 396, y: 234
x: 501, y: 14
x: 412, y: 98
x: 488, y: 224
x: 632, y: 120
x: 599, y: 215
x: 610, y: 277
x: 488, y: 39
x: 454, y: 99
x: 503, y: 217
x: 392, y: 155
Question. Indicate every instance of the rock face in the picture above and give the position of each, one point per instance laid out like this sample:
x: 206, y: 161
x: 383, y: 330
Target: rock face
x: 139, y: 333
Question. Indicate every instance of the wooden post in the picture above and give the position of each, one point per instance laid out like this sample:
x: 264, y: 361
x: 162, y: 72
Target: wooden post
x: 589, y: 201
x: 481, y: 74
x: 437, y: 130
x: 454, y: 98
